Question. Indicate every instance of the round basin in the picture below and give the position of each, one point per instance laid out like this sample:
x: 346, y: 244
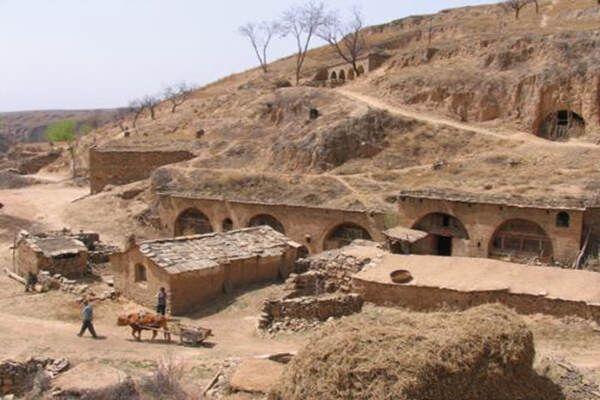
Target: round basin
x: 401, y: 276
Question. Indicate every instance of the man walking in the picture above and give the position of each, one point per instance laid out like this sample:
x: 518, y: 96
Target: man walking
x: 161, y: 301
x: 87, y: 317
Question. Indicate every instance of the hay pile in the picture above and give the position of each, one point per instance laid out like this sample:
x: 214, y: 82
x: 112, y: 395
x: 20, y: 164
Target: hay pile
x: 485, y: 353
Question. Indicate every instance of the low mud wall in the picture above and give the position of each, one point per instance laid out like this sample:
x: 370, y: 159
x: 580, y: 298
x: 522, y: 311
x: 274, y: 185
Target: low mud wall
x: 123, y: 166
x: 420, y: 298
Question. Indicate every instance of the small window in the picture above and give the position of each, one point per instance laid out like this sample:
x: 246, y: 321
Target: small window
x: 227, y: 224
x: 563, y: 220
x: 140, y: 273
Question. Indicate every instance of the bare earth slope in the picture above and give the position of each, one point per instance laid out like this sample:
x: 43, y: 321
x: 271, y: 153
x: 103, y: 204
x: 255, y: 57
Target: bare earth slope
x: 457, y: 105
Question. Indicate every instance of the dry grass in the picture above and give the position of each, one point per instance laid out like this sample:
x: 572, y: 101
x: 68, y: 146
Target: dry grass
x: 484, y: 353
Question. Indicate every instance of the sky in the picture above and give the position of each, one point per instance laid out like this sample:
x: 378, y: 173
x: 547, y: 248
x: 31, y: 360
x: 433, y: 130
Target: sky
x: 77, y: 54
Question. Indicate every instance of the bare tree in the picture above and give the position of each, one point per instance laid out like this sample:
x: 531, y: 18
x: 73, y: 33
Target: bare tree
x: 178, y: 94
x: 303, y: 22
x: 120, y: 116
x: 260, y: 36
x: 137, y: 109
x: 518, y: 5
x: 346, y: 38
x: 149, y: 103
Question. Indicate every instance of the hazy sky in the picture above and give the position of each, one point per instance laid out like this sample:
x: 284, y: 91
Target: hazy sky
x: 58, y: 54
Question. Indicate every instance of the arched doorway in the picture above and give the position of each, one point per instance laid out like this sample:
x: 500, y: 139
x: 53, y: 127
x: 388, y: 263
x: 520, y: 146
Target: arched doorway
x: 361, y: 70
x: 351, y: 75
x: 520, y: 238
x: 344, y: 234
x: 268, y: 220
x: 342, y: 75
x: 444, y: 230
x: 227, y: 225
x: 334, y: 76
x: 562, y: 125
x: 192, y: 222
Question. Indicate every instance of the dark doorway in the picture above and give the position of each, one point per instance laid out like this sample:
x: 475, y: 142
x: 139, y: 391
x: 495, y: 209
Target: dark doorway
x: 444, y: 245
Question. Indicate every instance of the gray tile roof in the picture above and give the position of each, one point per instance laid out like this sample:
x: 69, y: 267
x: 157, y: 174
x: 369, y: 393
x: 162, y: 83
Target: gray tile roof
x: 193, y: 253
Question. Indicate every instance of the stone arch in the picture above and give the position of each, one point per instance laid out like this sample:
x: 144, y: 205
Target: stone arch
x: 227, y: 225
x: 351, y: 74
x: 361, y: 70
x: 192, y: 222
x: 266, y: 219
x: 333, y: 76
x: 561, y: 125
x: 521, y: 238
x: 344, y: 234
x: 443, y: 230
x: 342, y: 75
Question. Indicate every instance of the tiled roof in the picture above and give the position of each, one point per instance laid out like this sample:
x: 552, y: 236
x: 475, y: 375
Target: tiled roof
x: 193, y: 253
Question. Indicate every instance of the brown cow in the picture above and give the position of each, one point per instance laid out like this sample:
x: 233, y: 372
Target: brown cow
x: 145, y: 322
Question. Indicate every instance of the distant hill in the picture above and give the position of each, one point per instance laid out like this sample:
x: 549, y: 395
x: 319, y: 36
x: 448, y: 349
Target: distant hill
x: 29, y: 126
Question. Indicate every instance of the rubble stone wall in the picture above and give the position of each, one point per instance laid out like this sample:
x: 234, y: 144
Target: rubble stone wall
x: 16, y: 377
x: 119, y: 167
x: 482, y: 220
x: 313, y: 308
x: 309, y: 226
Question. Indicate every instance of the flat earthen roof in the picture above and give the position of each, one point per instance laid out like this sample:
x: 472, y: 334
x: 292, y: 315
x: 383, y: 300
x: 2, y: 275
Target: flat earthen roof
x: 511, y: 200
x: 53, y: 246
x: 483, y: 275
x: 193, y: 253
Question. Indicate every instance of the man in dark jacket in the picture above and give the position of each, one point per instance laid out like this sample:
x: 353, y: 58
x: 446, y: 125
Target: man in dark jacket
x: 87, y: 317
x: 161, y: 301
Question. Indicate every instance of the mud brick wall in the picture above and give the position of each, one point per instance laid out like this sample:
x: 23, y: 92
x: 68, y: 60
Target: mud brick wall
x: 313, y: 308
x: 123, y: 166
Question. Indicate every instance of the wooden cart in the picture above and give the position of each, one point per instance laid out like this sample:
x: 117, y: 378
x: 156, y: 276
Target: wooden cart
x: 190, y: 335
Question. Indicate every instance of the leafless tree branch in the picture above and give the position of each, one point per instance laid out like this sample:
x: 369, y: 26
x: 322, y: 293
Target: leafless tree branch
x: 346, y: 38
x: 260, y: 36
x: 303, y: 22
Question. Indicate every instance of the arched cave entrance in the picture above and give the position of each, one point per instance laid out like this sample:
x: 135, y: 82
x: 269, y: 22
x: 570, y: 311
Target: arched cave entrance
x: 351, y: 75
x: 266, y: 219
x: 361, y: 70
x: 519, y: 238
x: 227, y: 225
x: 562, y: 125
x: 444, y: 230
x: 334, y: 76
x: 342, y: 75
x: 192, y: 222
x: 344, y: 234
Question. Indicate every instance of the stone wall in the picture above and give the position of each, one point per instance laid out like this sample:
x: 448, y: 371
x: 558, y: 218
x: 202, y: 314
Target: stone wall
x: 32, y: 165
x: 308, y: 226
x: 482, y: 220
x: 115, y: 166
x: 16, y: 378
x: 319, y: 308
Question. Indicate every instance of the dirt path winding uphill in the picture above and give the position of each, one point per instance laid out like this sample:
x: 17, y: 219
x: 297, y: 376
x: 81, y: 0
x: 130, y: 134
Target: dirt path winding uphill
x: 520, y: 137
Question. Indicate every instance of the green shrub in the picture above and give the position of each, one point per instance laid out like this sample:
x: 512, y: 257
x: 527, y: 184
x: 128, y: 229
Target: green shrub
x: 61, y: 131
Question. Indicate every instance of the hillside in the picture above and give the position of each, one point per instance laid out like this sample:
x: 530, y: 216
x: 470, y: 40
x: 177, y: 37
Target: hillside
x: 29, y: 126
x: 462, y: 109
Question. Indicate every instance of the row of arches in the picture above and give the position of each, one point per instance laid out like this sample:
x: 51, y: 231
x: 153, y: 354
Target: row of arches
x: 513, y: 238
x: 342, y: 74
x: 194, y: 222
